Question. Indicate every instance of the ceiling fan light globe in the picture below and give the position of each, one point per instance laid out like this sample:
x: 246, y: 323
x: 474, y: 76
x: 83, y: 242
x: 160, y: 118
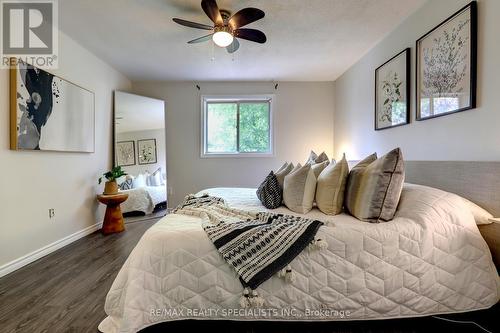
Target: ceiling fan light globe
x: 222, y: 38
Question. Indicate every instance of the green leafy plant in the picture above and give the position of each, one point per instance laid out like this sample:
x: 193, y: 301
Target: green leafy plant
x: 113, y: 174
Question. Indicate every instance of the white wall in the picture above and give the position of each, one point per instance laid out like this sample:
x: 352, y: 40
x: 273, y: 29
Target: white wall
x: 470, y: 135
x: 159, y: 135
x: 303, y: 121
x: 33, y: 182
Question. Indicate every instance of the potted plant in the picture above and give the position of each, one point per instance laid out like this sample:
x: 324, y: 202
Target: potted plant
x: 111, y: 187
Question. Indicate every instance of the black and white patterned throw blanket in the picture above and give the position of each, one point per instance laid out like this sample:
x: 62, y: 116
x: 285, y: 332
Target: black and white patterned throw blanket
x: 257, y: 245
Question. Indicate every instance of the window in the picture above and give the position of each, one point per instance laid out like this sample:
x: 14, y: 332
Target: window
x: 239, y: 126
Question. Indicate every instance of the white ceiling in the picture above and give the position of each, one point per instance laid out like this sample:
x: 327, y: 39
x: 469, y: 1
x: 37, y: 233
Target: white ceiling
x: 138, y: 113
x: 307, y: 40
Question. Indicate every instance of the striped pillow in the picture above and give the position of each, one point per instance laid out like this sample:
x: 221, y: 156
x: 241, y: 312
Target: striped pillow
x: 330, y: 188
x: 374, y: 187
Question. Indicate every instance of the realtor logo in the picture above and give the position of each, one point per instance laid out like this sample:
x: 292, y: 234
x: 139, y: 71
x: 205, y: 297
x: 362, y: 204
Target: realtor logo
x: 29, y: 32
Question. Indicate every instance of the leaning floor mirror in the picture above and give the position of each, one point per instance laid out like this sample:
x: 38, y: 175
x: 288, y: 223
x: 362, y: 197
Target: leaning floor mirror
x: 139, y: 148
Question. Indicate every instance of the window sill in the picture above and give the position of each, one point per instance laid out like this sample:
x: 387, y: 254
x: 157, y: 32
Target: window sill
x: 236, y: 155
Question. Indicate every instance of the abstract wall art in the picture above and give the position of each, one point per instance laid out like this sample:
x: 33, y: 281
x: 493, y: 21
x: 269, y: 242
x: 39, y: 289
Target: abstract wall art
x: 49, y: 113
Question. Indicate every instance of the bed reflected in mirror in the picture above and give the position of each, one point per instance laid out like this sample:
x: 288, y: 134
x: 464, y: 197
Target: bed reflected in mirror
x: 139, y: 146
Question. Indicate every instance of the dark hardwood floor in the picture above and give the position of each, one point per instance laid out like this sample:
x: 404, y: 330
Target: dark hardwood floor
x: 65, y: 292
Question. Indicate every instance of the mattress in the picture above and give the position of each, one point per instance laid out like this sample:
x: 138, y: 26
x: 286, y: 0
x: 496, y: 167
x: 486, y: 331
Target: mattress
x: 431, y: 259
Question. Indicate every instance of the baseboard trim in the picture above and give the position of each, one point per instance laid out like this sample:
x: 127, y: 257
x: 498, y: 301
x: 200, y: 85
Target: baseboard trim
x: 42, y: 252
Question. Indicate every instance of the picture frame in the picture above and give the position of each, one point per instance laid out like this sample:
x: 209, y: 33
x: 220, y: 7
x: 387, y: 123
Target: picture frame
x: 125, y: 153
x: 392, y: 92
x: 49, y: 113
x: 146, y: 150
x: 436, y: 96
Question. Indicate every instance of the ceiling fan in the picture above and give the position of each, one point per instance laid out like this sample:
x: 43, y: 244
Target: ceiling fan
x: 227, y: 28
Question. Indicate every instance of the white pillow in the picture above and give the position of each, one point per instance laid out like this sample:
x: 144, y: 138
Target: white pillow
x: 480, y: 214
x: 155, y: 180
x: 121, y: 179
x: 299, y: 189
x: 140, y: 180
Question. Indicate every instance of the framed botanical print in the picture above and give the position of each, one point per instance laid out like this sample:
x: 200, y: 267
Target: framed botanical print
x: 392, y: 92
x: 125, y: 153
x: 447, y: 66
x: 147, y: 151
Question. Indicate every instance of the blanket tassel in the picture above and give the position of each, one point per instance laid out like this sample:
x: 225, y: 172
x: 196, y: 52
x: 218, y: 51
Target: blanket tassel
x: 288, y: 274
x: 251, y: 299
x: 318, y: 244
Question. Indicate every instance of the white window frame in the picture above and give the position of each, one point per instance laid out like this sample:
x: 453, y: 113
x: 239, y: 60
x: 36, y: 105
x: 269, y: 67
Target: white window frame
x: 205, y: 99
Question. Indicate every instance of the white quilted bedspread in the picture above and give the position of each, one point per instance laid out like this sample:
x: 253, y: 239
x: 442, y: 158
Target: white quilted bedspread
x: 431, y: 259
x: 143, y: 199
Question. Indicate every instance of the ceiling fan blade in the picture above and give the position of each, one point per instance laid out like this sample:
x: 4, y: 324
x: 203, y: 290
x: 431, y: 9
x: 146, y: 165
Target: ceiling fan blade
x: 233, y: 47
x: 192, y: 24
x: 201, y: 39
x: 212, y: 10
x: 245, y: 16
x: 251, y: 34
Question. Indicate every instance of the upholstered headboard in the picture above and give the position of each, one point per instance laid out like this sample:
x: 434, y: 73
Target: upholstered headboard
x: 476, y: 181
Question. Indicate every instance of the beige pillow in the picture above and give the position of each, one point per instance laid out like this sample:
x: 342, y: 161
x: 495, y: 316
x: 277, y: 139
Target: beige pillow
x: 330, y: 187
x: 297, y: 167
x: 374, y: 187
x: 282, y: 172
x: 322, y: 158
x: 281, y: 167
x: 313, y: 158
x: 317, y: 168
x: 299, y: 189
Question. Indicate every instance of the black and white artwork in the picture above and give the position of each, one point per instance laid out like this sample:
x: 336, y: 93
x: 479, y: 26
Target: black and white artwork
x: 125, y: 153
x: 49, y: 113
x: 392, y: 92
x: 147, y: 151
x: 446, y: 66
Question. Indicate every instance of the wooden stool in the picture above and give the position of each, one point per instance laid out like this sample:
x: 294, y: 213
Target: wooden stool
x: 113, y: 219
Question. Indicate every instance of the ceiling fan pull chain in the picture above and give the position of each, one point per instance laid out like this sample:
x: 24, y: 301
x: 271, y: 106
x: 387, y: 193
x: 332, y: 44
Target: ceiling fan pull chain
x: 212, y: 52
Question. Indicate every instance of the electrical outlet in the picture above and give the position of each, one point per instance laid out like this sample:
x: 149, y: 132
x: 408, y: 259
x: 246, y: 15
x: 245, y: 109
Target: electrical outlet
x: 52, y: 213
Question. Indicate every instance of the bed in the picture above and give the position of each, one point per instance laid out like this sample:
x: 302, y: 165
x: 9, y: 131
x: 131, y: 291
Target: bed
x: 144, y: 199
x: 431, y: 259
